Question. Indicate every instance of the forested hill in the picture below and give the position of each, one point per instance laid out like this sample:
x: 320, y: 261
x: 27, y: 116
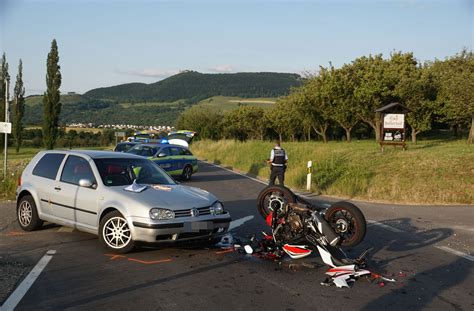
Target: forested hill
x: 195, y: 86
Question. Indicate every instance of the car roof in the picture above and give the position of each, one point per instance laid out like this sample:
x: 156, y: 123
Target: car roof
x: 162, y: 145
x: 97, y: 154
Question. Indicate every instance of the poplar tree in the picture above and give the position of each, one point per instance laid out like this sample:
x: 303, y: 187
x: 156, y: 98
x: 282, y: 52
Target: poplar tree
x: 4, y: 76
x: 51, y: 99
x: 18, y: 108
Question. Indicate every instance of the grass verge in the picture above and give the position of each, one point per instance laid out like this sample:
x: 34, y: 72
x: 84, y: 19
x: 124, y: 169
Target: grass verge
x: 430, y: 172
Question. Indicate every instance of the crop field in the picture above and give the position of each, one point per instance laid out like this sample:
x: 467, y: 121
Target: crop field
x: 224, y: 103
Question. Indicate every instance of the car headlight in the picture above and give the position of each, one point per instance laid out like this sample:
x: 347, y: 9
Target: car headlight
x: 217, y: 208
x: 161, y: 214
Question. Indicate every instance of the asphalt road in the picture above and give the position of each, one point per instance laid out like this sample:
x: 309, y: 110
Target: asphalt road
x: 414, y: 244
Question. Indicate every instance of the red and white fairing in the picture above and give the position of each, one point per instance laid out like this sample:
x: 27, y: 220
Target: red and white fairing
x: 297, y: 251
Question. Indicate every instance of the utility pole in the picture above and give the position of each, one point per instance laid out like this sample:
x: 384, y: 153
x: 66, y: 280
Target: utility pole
x: 6, y: 134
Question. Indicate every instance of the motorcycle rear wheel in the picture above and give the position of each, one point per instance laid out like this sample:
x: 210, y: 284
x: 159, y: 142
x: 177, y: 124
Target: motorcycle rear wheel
x: 272, y: 198
x: 348, y: 222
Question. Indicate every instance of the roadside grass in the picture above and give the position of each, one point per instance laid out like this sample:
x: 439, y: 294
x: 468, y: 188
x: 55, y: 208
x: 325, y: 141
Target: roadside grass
x: 226, y: 103
x: 16, y: 163
x: 430, y: 172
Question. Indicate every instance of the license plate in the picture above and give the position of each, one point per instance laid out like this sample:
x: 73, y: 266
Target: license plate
x: 201, y: 225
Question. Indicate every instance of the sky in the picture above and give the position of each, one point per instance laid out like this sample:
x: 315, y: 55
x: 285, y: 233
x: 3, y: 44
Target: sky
x: 109, y: 42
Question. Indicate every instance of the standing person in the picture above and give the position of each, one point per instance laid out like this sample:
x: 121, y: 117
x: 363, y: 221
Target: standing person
x: 278, y: 159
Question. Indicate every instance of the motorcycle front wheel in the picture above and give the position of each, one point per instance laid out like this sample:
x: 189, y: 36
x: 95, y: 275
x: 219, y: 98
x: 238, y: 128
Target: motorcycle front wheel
x: 272, y: 198
x: 348, y: 222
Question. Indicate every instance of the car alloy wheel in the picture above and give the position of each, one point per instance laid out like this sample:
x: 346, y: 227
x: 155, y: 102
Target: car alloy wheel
x: 116, y: 233
x: 25, y: 213
x: 188, y: 171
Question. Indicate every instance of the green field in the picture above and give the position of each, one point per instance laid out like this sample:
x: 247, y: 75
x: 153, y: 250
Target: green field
x: 431, y: 172
x: 224, y: 103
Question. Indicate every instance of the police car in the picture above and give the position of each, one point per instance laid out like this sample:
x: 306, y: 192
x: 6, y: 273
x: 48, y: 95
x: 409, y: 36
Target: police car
x: 176, y: 160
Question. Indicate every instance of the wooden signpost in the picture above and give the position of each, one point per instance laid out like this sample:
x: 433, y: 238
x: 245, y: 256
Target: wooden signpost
x: 392, y: 129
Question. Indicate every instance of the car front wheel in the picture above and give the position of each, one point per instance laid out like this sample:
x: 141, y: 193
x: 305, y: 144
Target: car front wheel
x: 115, y: 234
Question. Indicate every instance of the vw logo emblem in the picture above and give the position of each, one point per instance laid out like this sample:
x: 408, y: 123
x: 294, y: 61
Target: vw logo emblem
x: 194, y: 212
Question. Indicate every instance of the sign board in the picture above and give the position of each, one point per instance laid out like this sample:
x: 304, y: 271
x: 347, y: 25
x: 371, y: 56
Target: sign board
x: 394, y: 121
x: 5, y: 127
x: 119, y: 134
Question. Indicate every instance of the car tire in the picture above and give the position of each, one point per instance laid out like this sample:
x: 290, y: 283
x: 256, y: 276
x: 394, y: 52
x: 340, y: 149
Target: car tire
x: 187, y: 172
x: 27, y: 214
x: 115, y: 233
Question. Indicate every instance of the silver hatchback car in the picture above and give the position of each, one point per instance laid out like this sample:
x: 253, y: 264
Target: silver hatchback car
x: 122, y: 198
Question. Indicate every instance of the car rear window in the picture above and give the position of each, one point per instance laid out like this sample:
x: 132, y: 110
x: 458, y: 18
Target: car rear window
x: 48, y: 166
x: 123, y: 147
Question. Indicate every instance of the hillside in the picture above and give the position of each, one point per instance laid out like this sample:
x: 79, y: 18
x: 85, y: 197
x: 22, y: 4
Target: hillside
x: 161, y: 103
x: 195, y: 86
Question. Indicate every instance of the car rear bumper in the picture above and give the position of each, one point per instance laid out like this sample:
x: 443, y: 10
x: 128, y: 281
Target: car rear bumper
x: 179, y: 231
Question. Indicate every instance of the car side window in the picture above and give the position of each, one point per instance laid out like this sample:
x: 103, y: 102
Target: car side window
x: 49, y: 165
x: 187, y: 152
x: 175, y: 151
x: 165, y: 151
x: 75, y: 169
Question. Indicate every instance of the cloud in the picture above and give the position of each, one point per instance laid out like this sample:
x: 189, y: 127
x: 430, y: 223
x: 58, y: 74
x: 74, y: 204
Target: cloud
x: 150, y: 73
x: 224, y: 68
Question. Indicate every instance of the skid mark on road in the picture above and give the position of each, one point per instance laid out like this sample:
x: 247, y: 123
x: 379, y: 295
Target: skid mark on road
x: 145, y: 262
x: 15, y: 233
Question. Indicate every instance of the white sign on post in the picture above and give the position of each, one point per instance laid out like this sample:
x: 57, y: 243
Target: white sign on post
x: 5, y: 127
x: 394, y: 121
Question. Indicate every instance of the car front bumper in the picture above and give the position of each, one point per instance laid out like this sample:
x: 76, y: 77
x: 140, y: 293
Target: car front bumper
x: 187, y: 228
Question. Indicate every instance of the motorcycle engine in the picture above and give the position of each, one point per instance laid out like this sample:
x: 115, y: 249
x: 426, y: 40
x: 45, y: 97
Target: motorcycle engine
x: 294, y: 220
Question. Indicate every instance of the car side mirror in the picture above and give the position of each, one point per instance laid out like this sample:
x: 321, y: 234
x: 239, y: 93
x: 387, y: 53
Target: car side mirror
x: 87, y: 183
x: 161, y: 155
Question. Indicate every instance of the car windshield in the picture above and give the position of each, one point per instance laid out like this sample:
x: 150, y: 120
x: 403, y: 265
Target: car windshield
x: 143, y: 150
x: 124, y: 147
x: 122, y: 172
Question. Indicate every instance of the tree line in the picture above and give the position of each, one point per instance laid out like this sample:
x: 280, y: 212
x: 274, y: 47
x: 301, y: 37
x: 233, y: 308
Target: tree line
x: 342, y: 101
x: 51, y: 100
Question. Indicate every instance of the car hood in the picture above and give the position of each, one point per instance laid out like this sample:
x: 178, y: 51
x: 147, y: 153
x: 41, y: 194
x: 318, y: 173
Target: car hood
x: 174, y: 197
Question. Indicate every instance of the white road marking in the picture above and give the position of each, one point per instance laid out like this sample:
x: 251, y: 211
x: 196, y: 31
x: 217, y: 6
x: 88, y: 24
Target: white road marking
x: 239, y: 222
x: 462, y: 228
x: 229, y: 170
x: 381, y: 225
x: 22, y: 289
x: 455, y: 252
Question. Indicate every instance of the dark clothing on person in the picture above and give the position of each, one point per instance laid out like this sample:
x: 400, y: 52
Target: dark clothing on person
x: 277, y: 172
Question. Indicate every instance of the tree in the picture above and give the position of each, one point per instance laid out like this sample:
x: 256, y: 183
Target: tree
x: 18, y: 108
x: 4, y: 76
x: 206, y: 121
x: 339, y: 96
x: 246, y: 122
x: 51, y: 98
x: 372, y: 89
x: 313, y: 106
x: 456, y: 79
x: 415, y: 89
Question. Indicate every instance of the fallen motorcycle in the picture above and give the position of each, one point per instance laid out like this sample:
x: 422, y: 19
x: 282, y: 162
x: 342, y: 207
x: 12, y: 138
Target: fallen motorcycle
x: 299, y: 228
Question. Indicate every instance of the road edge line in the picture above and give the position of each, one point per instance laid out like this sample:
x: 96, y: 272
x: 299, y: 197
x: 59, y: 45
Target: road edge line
x: 455, y: 252
x: 14, y: 299
x: 232, y: 171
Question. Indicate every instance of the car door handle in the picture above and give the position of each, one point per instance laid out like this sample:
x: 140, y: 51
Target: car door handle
x: 57, y: 188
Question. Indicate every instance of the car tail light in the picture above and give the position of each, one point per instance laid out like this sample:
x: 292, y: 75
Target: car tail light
x: 19, y: 181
